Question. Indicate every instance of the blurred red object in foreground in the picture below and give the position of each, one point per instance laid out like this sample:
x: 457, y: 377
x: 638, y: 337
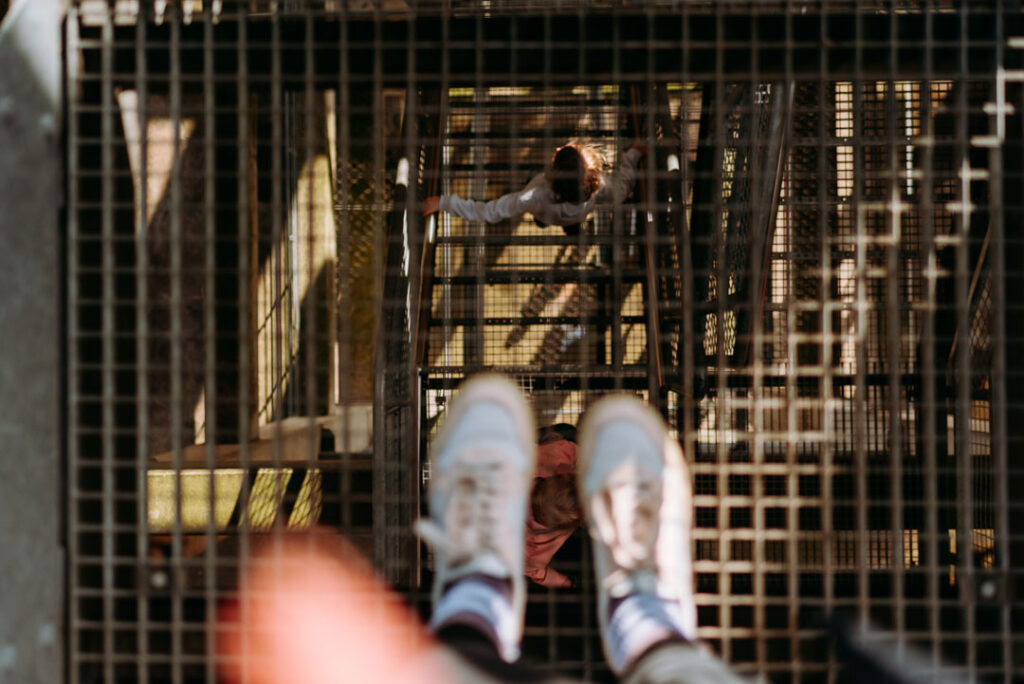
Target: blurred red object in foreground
x: 311, y: 610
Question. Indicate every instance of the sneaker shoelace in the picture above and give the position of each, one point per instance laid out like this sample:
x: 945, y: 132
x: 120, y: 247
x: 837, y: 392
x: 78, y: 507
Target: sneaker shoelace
x: 627, y: 520
x: 471, y: 522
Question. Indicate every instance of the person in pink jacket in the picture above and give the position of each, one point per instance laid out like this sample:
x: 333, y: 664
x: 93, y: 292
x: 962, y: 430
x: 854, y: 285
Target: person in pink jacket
x: 554, y: 511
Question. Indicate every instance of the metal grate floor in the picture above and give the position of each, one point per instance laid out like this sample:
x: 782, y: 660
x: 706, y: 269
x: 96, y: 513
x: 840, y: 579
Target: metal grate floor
x: 815, y: 281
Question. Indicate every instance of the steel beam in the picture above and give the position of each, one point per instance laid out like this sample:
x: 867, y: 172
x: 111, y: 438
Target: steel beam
x: 31, y: 411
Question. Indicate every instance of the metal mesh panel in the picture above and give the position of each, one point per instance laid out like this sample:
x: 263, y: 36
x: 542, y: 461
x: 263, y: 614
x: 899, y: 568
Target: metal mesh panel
x: 815, y: 279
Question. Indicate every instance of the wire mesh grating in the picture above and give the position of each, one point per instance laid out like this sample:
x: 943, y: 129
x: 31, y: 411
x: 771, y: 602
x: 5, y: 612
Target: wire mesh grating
x: 813, y: 281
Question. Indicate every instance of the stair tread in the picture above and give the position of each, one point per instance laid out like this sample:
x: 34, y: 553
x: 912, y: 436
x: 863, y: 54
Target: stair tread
x: 563, y: 369
x: 557, y: 238
x: 437, y: 321
x: 520, y: 274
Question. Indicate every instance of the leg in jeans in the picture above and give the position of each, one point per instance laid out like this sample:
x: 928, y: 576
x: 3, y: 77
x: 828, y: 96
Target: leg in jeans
x: 635, y: 492
x: 482, y: 465
x: 479, y: 660
x: 676, y: 662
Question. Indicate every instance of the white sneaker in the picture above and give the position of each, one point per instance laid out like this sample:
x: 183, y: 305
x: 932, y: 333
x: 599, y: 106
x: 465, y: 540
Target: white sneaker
x: 482, y: 465
x: 635, y: 492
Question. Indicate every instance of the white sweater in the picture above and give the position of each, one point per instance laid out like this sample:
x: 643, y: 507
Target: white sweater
x: 538, y: 198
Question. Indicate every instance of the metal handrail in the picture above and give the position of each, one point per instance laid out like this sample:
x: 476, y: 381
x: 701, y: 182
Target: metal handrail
x: 406, y: 302
x: 650, y: 266
x: 425, y: 286
x: 763, y: 209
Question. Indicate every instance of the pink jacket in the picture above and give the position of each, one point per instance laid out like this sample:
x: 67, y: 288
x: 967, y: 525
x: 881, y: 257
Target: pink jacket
x: 553, y: 458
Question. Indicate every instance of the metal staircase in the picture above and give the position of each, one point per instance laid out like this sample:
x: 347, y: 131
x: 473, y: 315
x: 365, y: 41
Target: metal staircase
x: 534, y: 302
x: 622, y: 305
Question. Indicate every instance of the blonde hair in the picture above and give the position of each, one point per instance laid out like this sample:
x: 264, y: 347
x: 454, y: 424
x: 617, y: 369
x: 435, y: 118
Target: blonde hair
x: 555, y: 503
